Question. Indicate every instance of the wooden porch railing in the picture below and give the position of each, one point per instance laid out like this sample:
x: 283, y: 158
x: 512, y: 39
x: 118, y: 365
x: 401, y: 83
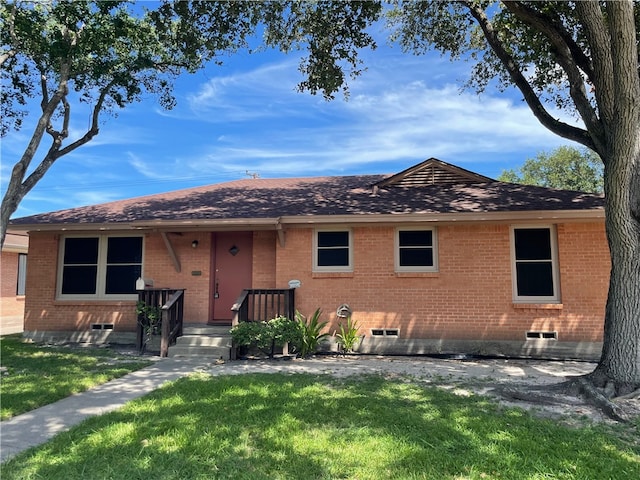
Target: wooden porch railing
x: 170, y: 303
x: 257, y: 305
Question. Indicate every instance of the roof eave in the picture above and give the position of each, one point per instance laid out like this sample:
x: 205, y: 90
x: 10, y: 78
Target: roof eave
x: 532, y: 216
x: 234, y: 224
x: 237, y: 224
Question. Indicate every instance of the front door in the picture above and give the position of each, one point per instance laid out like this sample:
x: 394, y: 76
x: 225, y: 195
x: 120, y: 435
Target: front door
x: 232, y: 258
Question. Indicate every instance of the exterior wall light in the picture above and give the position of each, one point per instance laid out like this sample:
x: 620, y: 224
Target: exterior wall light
x: 194, y: 244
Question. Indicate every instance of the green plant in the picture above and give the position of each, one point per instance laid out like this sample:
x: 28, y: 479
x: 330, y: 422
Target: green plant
x: 150, y: 319
x: 246, y: 333
x: 310, y: 331
x: 266, y: 336
x: 348, y: 336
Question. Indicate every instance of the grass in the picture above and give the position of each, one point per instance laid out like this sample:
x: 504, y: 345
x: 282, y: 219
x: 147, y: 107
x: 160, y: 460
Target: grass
x: 34, y: 375
x: 262, y: 426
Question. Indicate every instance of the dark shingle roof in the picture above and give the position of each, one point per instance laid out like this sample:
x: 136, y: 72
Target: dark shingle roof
x: 345, y: 195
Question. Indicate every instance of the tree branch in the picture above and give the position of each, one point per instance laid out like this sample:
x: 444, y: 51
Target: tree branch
x: 56, y: 152
x: 559, y: 128
x: 551, y: 26
x: 7, y: 55
x: 45, y: 91
x: 593, y: 21
x: 570, y: 57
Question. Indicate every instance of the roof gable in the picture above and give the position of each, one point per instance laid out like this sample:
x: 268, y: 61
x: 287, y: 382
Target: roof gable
x: 432, y: 172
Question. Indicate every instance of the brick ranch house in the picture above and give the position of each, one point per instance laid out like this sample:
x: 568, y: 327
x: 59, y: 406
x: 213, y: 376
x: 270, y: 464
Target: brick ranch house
x: 434, y: 259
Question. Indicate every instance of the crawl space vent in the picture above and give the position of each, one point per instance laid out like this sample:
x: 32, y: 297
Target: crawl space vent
x: 543, y: 335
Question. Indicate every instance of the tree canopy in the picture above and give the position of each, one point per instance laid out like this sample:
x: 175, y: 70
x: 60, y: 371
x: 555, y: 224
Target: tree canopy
x: 108, y: 54
x: 566, y: 168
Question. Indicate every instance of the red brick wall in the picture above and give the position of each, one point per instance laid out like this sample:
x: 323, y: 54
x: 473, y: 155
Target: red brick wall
x: 195, y: 271
x: 264, y: 260
x: 469, y: 298
x: 10, y: 303
x: 471, y: 295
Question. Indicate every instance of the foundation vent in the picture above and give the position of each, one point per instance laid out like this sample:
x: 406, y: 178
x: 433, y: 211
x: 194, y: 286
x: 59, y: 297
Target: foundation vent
x: 542, y: 335
x: 385, y: 332
x: 102, y: 326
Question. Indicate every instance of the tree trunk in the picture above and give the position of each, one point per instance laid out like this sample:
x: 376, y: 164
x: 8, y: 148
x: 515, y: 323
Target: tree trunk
x: 11, y: 200
x: 620, y: 359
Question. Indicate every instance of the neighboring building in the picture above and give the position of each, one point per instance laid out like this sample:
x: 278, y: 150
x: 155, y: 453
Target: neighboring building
x: 13, y: 269
x: 433, y: 259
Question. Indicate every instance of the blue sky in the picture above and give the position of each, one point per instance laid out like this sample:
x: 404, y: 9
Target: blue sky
x: 246, y: 116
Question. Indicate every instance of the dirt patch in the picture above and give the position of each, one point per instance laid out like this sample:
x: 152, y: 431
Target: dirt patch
x: 536, y: 385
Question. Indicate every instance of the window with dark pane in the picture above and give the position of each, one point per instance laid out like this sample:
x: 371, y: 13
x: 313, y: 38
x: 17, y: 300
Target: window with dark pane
x: 333, y: 249
x: 101, y: 266
x: 79, y: 274
x: 79, y: 280
x: 535, y: 279
x: 533, y: 244
x: 124, y: 250
x: 81, y: 251
x: 121, y: 279
x: 124, y: 264
x: 415, y: 248
x: 534, y: 262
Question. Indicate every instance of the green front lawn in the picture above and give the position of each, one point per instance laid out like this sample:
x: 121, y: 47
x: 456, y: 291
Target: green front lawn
x: 33, y: 375
x: 262, y: 426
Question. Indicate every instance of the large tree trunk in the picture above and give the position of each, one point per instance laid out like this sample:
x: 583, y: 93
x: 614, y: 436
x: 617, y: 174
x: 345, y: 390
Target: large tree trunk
x: 619, y: 364
x: 619, y: 103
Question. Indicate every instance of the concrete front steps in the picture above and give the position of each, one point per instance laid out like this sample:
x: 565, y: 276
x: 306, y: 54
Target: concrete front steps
x: 205, y: 341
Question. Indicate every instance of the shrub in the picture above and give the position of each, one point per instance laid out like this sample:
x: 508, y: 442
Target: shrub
x: 150, y: 319
x: 266, y: 336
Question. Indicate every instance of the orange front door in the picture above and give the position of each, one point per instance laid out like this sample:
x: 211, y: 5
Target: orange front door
x: 232, y: 258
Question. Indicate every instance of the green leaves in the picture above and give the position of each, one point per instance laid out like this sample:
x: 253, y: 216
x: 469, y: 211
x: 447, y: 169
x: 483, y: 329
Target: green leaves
x: 266, y: 336
x: 348, y: 337
x: 311, y: 332
x: 565, y: 167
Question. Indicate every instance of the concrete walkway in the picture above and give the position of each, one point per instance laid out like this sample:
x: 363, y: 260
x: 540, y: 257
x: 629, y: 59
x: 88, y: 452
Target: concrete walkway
x: 38, y: 426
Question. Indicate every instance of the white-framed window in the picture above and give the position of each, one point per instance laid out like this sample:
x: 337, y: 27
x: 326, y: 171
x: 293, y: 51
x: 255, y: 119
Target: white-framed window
x: 333, y: 250
x: 22, y: 274
x: 534, y: 262
x: 99, y: 267
x: 416, y: 250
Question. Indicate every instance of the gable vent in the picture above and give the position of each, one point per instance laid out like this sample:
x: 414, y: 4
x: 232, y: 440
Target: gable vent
x: 432, y: 172
x: 431, y: 176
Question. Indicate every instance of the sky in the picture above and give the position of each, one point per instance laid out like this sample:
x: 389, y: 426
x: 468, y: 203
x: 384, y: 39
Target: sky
x: 246, y: 118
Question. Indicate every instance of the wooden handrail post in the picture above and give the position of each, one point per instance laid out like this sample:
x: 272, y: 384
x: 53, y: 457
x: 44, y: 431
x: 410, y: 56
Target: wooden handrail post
x: 164, y: 340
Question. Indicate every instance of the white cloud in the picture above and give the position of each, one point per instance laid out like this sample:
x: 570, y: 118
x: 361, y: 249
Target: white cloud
x: 400, y: 122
